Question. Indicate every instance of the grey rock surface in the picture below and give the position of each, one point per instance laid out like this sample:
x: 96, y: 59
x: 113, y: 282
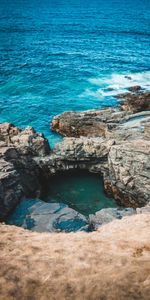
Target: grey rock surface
x: 39, y: 216
x: 111, y: 142
x: 19, y: 173
x: 107, y: 215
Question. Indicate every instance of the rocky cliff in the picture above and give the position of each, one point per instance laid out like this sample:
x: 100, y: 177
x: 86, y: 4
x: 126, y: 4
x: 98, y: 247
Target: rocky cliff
x: 112, y: 142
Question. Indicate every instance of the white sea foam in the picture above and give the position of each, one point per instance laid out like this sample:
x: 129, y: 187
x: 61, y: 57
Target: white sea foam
x: 117, y: 83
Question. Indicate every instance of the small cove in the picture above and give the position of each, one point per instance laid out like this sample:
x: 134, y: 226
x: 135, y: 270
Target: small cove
x: 80, y: 190
x: 71, y: 198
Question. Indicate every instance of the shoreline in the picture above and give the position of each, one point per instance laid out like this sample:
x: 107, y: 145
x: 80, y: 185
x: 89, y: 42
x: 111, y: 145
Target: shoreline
x: 113, y: 143
x: 78, y: 265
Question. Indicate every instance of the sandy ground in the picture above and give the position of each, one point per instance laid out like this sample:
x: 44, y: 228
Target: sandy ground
x: 112, y: 263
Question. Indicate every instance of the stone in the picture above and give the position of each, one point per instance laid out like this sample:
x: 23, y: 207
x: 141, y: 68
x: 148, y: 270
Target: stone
x: 92, y: 123
x: 130, y: 158
x: 107, y: 215
x: 111, y: 142
x: 135, y: 102
x: 135, y: 88
x: 37, y: 215
x: 19, y: 173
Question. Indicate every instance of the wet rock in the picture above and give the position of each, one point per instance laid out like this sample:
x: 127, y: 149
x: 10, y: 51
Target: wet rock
x: 39, y: 216
x: 135, y: 88
x: 128, y: 77
x: 135, y: 102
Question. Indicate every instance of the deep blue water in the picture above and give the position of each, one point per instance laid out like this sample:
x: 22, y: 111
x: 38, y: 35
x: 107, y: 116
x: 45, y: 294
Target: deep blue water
x: 60, y: 55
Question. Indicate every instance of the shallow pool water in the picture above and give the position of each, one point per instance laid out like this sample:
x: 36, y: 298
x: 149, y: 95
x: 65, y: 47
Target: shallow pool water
x: 71, y: 198
x: 82, y: 191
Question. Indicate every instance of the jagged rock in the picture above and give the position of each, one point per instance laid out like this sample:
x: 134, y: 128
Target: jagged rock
x: 83, y: 148
x: 121, y: 155
x: 40, y: 216
x: 129, y: 176
x: 135, y: 102
x: 27, y: 140
x: 11, y: 189
x: 19, y: 173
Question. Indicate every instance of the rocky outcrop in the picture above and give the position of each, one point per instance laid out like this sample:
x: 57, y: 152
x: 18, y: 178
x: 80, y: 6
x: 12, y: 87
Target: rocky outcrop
x: 121, y: 155
x: 92, y: 123
x: 111, y: 263
x: 136, y: 101
x: 19, y: 173
x: 129, y: 165
x: 111, y: 142
x: 27, y: 141
x: 135, y: 88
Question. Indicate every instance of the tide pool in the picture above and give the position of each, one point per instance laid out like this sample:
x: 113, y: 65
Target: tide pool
x: 81, y: 191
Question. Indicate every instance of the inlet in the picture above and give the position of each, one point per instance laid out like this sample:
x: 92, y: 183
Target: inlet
x: 71, y: 198
x: 81, y: 190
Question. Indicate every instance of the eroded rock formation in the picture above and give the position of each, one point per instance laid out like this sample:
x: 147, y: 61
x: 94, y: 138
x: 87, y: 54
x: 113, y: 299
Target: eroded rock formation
x: 122, y: 154
x: 19, y: 173
x: 112, y: 142
x: 135, y: 101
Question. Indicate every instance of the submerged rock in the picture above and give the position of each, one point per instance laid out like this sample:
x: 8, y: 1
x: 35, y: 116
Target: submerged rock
x: 40, y: 216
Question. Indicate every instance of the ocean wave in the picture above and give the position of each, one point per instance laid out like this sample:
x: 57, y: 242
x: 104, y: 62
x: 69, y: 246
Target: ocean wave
x: 117, y: 83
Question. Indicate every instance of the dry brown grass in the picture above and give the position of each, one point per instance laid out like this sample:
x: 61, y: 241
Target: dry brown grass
x: 110, y: 264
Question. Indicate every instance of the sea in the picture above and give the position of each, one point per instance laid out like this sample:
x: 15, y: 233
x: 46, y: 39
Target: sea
x: 59, y: 55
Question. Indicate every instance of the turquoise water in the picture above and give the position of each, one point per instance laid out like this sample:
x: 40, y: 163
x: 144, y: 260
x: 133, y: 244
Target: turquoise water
x: 69, y: 55
x: 72, y: 197
x: 81, y: 191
